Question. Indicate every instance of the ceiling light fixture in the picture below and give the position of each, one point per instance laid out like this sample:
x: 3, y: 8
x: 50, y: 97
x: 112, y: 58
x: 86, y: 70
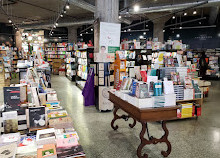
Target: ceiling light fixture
x: 64, y: 11
x: 67, y: 6
x: 163, y: 30
x: 91, y: 29
x: 141, y: 37
x: 181, y: 27
x: 200, y: 23
x: 136, y: 8
x: 80, y: 34
x: 61, y: 15
x: 9, y: 20
x: 174, y: 17
x: 119, y: 16
x: 177, y: 35
x: 125, y: 30
x: 144, y: 33
x: 56, y: 24
x: 194, y: 12
x: 59, y: 37
x: 86, y: 32
x: 129, y: 29
x: 185, y: 14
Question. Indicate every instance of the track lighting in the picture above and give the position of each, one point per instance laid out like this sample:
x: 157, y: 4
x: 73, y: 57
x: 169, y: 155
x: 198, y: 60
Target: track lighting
x: 174, y: 17
x: 61, y: 15
x: 9, y: 20
x: 136, y: 8
x: 56, y: 24
x: 67, y: 6
x: 181, y: 27
x: 185, y: 14
x: 163, y: 30
x: 64, y: 11
x: 91, y: 29
x: 194, y: 12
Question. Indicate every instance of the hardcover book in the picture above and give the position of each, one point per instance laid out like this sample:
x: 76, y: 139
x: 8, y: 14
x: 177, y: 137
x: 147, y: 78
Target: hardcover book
x: 12, y: 98
x: 37, y: 118
x: 48, y: 151
x: 74, y: 151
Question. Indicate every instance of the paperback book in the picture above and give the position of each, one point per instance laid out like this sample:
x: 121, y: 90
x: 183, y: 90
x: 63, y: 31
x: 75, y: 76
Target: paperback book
x: 12, y: 98
x: 74, y: 151
x: 48, y: 151
x: 8, y: 151
x: 10, y: 121
x: 46, y: 136
x: 36, y: 117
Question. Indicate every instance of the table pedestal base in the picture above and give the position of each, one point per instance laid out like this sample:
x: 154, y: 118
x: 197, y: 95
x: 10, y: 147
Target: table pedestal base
x: 153, y: 140
x: 144, y: 141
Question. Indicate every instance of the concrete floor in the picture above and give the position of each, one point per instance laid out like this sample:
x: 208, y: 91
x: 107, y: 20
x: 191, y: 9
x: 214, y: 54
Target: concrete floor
x: 190, y: 138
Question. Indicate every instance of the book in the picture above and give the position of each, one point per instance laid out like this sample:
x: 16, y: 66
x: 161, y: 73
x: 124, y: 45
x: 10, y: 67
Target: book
x: 67, y: 142
x: 36, y: 117
x: 142, y: 90
x: 27, y: 140
x: 8, y: 150
x: 188, y: 82
x: 10, y: 121
x: 53, y: 105
x: 57, y: 114
x: 48, y: 151
x: 46, y: 136
x: 11, y: 137
x: 74, y: 151
x: 12, y: 98
x: 168, y: 87
x: 65, y: 122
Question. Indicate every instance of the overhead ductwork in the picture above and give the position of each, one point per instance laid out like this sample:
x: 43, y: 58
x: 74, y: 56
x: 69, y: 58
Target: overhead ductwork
x: 170, y: 7
x: 213, y: 15
x: 61, y: 24
x: 82, y: 4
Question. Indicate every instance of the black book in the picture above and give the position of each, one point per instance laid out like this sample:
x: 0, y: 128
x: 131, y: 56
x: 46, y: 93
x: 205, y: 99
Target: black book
x: 12, y: 98
x: 37, y: 118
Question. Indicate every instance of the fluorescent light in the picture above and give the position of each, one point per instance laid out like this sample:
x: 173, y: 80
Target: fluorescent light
x: 194, y: 12
x: 136, y: 8
x: 64, y: 11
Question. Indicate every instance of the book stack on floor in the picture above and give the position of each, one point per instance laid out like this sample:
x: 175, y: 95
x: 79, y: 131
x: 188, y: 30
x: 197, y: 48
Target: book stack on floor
x: 34, y: 124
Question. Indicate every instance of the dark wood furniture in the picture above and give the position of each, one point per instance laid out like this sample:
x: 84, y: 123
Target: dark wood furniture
x: 143, y: 116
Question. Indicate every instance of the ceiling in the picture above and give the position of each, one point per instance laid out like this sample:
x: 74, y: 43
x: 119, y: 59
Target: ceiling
x: 42, y: 13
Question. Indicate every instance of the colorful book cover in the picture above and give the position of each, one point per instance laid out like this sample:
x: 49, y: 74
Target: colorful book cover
x: 67, y: 142
x: 57, y: 114
x: 27, y: 140
x: 48, y: 151
x: 12, y: 98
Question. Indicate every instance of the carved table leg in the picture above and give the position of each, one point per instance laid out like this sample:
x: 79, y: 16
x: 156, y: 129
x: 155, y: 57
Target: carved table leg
x: 115, y: 118
x: 165, y: 140
x: 153, y: 140
x: 125, y: 117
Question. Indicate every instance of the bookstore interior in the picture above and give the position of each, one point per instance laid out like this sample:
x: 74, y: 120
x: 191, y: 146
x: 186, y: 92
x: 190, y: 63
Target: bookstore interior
x: 69, y: 69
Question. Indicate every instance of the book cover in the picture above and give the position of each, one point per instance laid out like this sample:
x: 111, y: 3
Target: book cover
x: 48, y: 151
x: 27, y: 141
x: 8, y: 151
x: 46, y: 136
x: 57, y: 114
x: 37, y: 118
x: 64, y: 122
x: 12, y: 98
x: 74, y: 151
x: 67, y: 142
x: 10, y: 121
x: 11, y: 137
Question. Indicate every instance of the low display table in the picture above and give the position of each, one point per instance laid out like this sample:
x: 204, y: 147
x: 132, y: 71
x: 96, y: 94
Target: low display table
x: 143, y: 116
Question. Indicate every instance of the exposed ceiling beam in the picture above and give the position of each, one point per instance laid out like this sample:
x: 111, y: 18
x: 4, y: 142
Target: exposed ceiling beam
x: 61, y: 24
x: 195, y: 27
x: 170, y: 7
x: 82, y: 4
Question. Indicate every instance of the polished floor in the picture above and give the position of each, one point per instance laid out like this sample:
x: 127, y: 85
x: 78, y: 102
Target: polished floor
x: 190, y: 138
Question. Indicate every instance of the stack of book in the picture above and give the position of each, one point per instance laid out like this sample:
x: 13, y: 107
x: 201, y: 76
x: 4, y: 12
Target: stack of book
x: 35, y: 125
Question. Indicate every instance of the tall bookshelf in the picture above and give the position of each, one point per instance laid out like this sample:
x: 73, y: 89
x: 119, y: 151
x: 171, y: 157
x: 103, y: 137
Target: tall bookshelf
x: 55, y: 51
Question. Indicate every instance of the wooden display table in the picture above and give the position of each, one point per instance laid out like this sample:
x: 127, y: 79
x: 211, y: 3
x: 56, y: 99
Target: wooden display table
x: 144, y: 116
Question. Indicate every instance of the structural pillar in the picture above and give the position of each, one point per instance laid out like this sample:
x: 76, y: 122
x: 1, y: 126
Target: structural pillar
x: 106, y: 11
x: 158, y: 25
x: 18, y: 38
x: 72, y: 34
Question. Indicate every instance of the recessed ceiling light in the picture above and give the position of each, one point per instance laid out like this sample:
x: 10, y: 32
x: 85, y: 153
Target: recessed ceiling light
x: 136, y: 8
x: 86, y: 32
x: 200, y: 23
x: 194, y: 12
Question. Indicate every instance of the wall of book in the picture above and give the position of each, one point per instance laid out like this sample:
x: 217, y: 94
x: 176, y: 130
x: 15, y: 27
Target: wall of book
x: 34, y: 124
